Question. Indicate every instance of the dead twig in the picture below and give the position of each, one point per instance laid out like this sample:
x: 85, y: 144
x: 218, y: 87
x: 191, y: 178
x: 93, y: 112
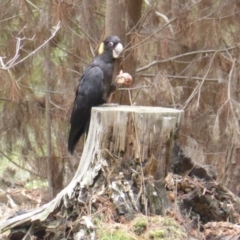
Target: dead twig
x: 13, y: 62
x: 197, y: 90
x: 184, y: 55
x: 19, y: 166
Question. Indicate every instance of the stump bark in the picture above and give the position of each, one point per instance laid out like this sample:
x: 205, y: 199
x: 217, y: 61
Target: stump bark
x: 125, y: 159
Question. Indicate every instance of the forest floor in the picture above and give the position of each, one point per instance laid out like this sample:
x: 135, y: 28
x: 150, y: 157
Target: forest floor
x: 142, y: 227
x: 200, y: 210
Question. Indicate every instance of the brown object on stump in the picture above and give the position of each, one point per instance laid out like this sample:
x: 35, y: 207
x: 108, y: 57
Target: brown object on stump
x: 123, y: 79
x: 122, y: 168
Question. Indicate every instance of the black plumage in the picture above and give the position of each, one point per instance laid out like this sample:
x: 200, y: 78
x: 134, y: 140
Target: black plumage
x: 94, y: 88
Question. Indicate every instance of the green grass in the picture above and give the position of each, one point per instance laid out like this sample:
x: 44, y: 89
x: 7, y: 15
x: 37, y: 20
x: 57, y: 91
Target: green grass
x: 119, y: 234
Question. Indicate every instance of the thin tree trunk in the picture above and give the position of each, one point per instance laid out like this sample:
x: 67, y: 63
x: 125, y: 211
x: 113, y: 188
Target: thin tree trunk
x: 48, y: 136
x: 122, y: 19
x: 231, y: 171
x: 48, y: 107
x: 115, y: 20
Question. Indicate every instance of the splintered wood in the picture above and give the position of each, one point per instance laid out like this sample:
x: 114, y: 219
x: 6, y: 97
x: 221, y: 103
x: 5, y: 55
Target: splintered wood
x: 123, y: 165
x: 142, y: 134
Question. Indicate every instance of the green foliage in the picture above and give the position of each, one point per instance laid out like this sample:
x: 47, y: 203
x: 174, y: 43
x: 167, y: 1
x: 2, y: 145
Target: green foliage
x: 36, y: 184
x: 158, y: 234
x: 197, y: 45
x: 168, y: 229
x: 115, y: 235
x: 59, y: 56
x: 140, y: 225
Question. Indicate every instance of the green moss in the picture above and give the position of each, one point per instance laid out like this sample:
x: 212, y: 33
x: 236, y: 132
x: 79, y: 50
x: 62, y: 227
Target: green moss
x: 177, y: 231
x: 97, y: 221
x: 174, y: 229
x: 158, y: 234
x: 166, y: 221
x: 116, y: 235
x: 140, y: 225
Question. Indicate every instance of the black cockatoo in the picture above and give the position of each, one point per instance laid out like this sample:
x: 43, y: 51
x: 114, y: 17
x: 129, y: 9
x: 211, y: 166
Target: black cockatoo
x: 94, y: 88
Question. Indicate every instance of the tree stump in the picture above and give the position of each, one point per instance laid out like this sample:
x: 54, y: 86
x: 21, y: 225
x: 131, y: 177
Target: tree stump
x: 124, y: 162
